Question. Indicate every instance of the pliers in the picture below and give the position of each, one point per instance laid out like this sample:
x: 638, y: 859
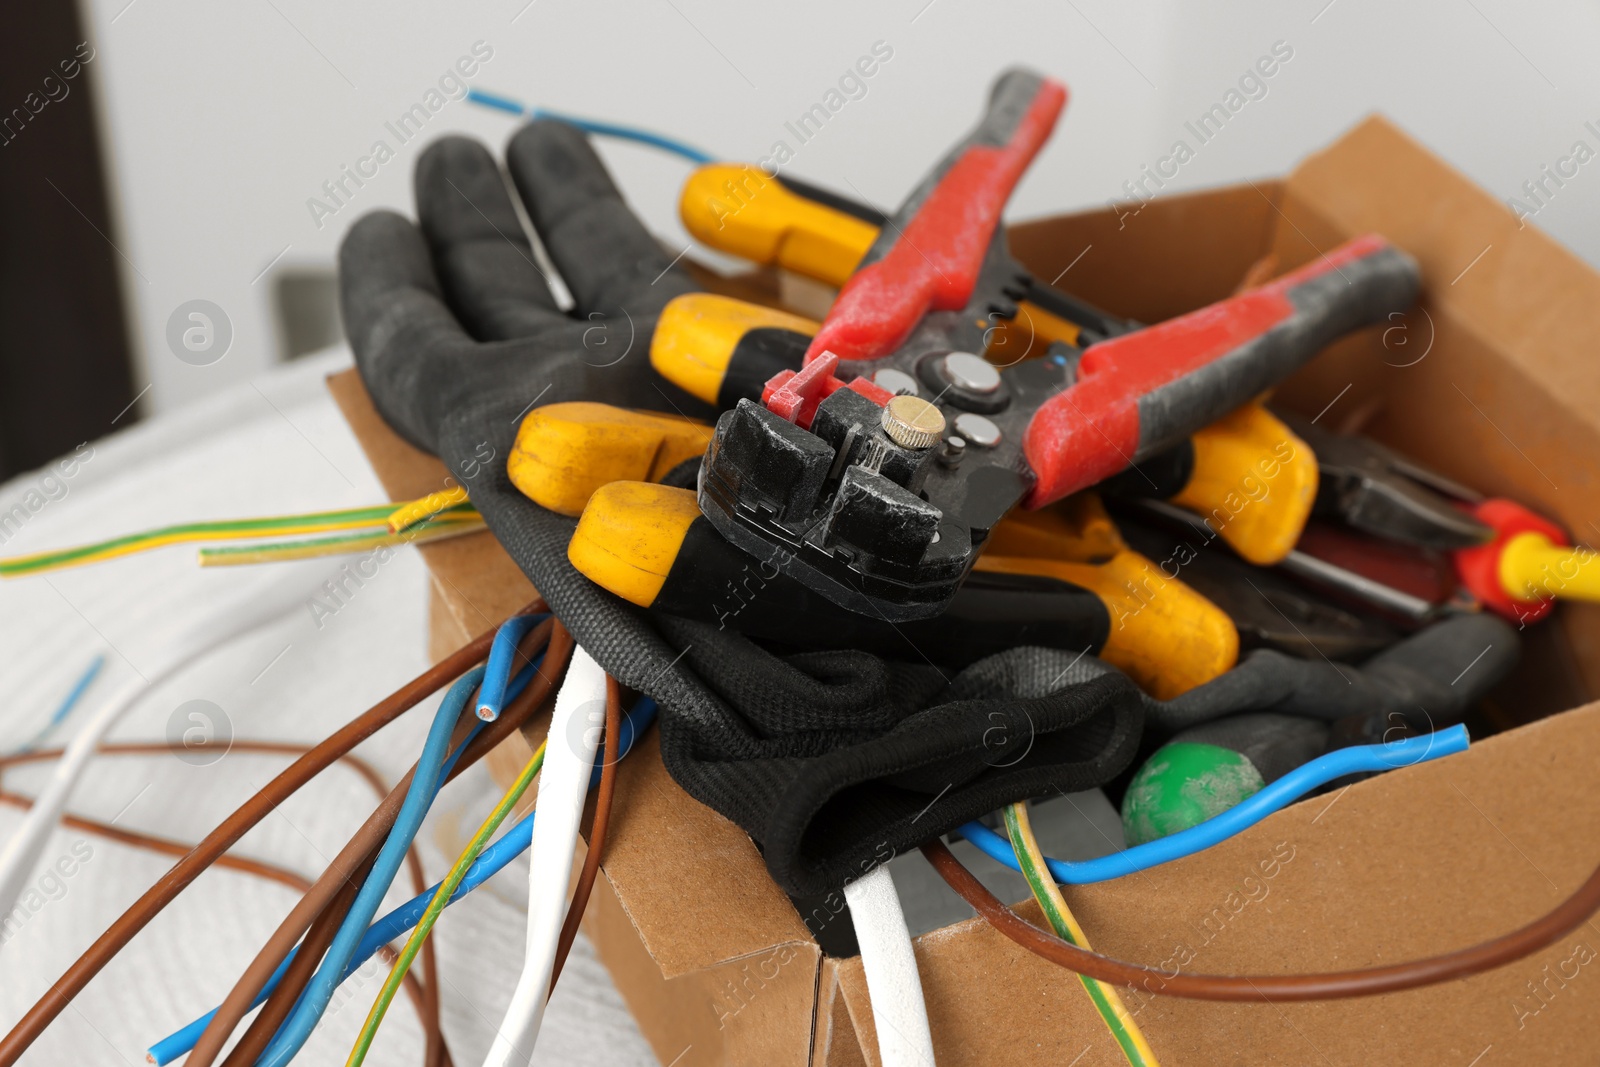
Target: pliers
x: 862, y: 494
x: 1374, y: 489
x: 1400, y: 538
x: 1510, y: 559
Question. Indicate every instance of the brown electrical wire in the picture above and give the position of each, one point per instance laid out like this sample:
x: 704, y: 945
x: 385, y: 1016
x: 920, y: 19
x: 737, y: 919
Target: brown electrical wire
x: 423, y: 992
x: 361, y: 849
x: 174, y: 848
x: 258, y: 1035
x: 165, y: 846
x: 597, y: 831
x: 162, y: 748
x: 1463, y: 963
x: 435, y: 1053
x: 186, y: 870
x: 368, y: 839
x: 325, y: 905
x: 304, y: 964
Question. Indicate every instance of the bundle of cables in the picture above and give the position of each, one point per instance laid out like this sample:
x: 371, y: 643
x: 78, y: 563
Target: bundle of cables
x: 333, y: 930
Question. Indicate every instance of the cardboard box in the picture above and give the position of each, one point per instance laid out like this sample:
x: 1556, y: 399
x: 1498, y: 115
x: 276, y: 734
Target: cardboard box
x: 1492, y: 382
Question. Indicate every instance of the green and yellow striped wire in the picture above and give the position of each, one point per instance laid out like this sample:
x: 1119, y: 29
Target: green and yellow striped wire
x: 436, y: 529
x: 433, y: 517
x: 436, y: 906
x: 1112, y: 1011
x: 415, y: 511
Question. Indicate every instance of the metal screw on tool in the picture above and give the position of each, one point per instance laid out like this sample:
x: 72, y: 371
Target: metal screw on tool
x: 896, y: 381
x: 977, y: 429
x: 912, y: 422
x: 969, y: 372
x: 950, y: 455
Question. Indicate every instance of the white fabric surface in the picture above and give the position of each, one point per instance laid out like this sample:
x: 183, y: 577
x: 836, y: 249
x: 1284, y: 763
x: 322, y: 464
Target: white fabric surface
x: 275, y: 445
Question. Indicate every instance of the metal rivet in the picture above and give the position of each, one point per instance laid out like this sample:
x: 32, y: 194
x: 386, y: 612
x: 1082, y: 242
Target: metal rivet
x: 912, y: 422
x: 969, y: 372
x: 954, y: 449
x: 897, y: 382
x: 977, y: 430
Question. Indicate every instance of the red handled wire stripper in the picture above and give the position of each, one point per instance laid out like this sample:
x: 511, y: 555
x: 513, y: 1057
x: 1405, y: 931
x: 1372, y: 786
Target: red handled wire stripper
x: 877, y: 489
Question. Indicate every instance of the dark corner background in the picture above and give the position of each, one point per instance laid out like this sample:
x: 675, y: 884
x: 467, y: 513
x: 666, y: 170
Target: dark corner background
x: 64, y: 352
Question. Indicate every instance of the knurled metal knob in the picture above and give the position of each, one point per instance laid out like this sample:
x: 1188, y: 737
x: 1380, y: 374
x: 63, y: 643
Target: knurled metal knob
x: 912, y: 422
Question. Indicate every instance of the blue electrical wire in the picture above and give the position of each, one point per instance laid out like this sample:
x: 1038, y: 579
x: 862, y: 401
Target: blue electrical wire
x: 74, y: 695
x: 424, y: 786
x: 502, y: 656
x: 513, y: 843
x: 603, y: 129
x: 1220, y: 827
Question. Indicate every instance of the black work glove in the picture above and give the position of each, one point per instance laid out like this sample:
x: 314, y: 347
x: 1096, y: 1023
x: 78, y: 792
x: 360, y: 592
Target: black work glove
x: 1424, y: 682
x: 1429, y: 680
x: 831, y: 761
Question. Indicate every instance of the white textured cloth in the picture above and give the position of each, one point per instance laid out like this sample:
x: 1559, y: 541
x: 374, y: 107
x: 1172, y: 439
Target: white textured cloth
x: 274, y: 445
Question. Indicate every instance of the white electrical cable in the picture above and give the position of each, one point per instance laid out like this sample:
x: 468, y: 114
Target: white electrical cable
x: 574, y: 736
x: 898, y: 1013
x: 248, y: 612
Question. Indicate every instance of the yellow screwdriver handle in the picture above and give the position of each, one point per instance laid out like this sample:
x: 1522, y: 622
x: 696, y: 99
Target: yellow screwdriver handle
x: 1076, y: 530
x: 629, y: 537
x: 1254, y: 483
x: 742, y: 211
x: 1533, y: 567
x: 702, y: 338
x: 1164, y: 635
x: 565, y: 452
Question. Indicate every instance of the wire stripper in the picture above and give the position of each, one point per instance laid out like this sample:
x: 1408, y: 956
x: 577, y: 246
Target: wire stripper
x: 862, y: 494
x: 1248, y: 473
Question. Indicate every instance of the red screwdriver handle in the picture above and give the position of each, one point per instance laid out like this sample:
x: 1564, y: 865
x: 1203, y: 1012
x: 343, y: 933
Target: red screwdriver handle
x: 1141, y: 393
x: 1479, y: 567
x: 929, y: 255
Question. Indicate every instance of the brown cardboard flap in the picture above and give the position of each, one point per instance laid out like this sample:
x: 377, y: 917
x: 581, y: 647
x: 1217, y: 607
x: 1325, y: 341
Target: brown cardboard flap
x: 756, y: 1010
x: 1515, y: 316
x: 736, y: 910
x: 836, y: 1043
x: 1158, y: 260
x: 1419, y: 861
x: 1512, y: 283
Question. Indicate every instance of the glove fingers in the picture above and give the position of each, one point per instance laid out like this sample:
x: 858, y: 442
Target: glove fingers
x: 484, y: 259
x: 610, y: 262
x: 404, y: 336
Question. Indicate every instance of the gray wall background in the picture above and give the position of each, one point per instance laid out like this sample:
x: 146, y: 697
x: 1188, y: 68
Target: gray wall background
x: 224, y: 119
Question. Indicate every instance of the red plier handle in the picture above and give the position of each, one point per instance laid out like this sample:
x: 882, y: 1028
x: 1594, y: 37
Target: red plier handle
x: 1138, y: 394
x: 928, y: 257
